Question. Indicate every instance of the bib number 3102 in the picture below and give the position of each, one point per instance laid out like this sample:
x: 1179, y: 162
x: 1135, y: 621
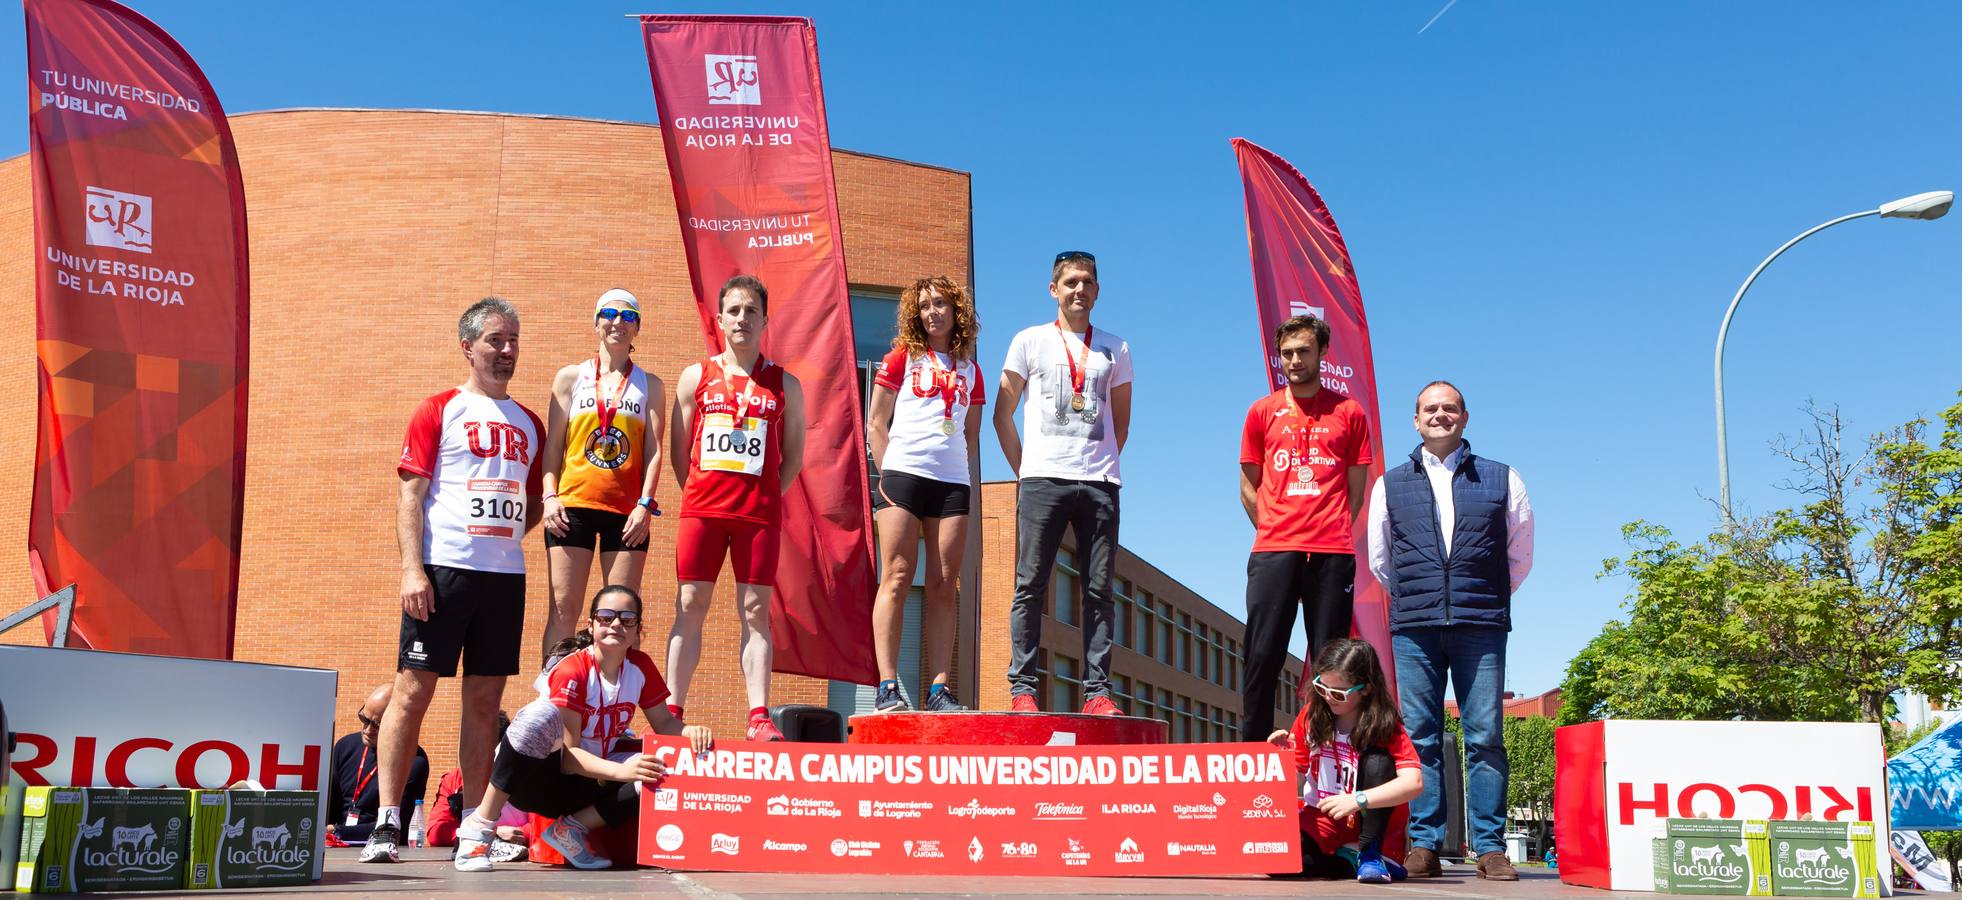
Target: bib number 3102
x: 497, y: 505
x: 731, y: 445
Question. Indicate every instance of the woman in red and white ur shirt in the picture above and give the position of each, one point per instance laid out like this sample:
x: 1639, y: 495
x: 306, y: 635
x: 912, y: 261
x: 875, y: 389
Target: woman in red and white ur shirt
x: 924, y: 427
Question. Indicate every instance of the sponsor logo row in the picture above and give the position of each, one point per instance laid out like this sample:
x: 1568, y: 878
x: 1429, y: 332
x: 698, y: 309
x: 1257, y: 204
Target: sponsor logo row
x: 672, y: 838
x: 671, y: 800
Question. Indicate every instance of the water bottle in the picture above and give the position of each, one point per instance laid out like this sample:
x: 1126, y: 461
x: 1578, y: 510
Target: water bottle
x: 415, y: 826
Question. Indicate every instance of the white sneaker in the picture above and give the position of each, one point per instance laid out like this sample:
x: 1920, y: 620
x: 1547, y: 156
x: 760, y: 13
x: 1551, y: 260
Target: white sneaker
x: 503, y: 851
x: 381, y: 845
x: 567, y: 837
x: 472, y: 854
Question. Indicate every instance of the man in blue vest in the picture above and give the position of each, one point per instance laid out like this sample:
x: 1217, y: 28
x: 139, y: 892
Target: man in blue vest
x: 1451, y: 539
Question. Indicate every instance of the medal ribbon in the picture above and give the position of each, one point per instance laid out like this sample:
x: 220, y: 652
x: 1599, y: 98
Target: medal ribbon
x: 608, y: 407
x: 742, y: 399
x: 1301, y: 439
x: 1079, y: 367
x: 943, y: 380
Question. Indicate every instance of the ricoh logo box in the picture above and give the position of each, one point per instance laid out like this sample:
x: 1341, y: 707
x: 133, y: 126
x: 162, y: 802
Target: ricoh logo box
x: 252, y: 839
x: 1712, y: 856
x: 102, y: 839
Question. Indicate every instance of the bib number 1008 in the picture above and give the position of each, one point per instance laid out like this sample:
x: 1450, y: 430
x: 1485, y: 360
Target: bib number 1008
x: 736, y: 442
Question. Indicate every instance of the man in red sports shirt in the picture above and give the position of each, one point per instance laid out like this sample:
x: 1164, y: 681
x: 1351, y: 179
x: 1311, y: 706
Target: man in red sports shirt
x: 1304, y: 464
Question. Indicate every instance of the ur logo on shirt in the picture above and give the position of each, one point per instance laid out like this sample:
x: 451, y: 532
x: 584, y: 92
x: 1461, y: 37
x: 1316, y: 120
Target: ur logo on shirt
x: 492, y: 439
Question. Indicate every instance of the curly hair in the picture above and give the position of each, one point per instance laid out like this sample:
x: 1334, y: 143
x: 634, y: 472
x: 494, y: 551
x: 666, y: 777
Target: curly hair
x: 912, y: 336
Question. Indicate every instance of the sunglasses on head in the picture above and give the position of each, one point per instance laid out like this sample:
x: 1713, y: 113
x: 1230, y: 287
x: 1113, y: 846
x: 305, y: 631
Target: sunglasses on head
x: 625, y: 618
x: 625, y: 315
x: 1334, y: 694
x: 1076, y: 254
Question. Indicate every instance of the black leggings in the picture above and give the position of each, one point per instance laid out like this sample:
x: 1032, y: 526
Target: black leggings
x: 1278, y: 583
x: 1375, y: 769
x: 542, y: 786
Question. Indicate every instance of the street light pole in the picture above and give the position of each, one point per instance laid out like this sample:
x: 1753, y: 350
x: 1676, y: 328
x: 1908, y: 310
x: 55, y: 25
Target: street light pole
x: 1931, y: 205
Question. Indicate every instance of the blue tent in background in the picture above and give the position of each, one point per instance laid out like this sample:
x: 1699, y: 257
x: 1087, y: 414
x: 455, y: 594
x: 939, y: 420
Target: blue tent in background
x: 1925, y: 781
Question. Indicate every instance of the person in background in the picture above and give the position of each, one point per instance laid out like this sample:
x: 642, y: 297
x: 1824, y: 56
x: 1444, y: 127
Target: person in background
x: 1354, y: 764
x: 353, y: 797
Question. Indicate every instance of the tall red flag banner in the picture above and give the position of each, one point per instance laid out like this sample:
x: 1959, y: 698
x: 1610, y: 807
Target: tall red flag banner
x: 1301, y: 267
x: 140, y: 288
x: 749, y: 154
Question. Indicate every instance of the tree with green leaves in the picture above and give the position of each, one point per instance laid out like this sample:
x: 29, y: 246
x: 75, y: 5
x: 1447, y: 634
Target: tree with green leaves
x: 1948, y: 846
x: 1818, y: 612
x: 1529, y: 759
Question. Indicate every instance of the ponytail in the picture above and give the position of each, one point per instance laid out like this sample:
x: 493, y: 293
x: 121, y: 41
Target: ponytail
x: 579, y: 640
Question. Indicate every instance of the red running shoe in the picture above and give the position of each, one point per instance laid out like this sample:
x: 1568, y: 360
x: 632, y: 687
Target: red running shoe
x: 1100, y: 705
x: 761, y: 729
x: 1023, y: 703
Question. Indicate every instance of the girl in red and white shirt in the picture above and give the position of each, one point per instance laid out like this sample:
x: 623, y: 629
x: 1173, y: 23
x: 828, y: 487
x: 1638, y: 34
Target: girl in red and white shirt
x: 595, y: 685
x: 1355, y: 765
x: 924, y: 427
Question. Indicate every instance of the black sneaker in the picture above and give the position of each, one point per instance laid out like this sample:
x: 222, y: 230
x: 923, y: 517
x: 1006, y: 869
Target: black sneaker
x: 943, y: 701
x: 381, y: 845
x: 890, y: 699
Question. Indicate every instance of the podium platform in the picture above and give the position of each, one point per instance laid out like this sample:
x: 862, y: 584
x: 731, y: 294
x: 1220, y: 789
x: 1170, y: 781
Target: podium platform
x: 994, y: 728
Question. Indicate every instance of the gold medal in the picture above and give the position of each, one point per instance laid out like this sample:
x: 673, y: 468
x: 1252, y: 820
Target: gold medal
x: 946, y: 426
x: 1304, y: 474
x: 1076, y: 401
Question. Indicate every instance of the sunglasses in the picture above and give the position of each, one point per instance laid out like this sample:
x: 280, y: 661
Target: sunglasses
x: 1334, y: 695
x: 1076, y: 254
x: 367, y: 722
x: 628, y: 316
x: 625, y: 619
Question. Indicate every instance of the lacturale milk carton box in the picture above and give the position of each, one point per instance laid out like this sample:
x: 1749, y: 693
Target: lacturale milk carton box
x: 102, y: 839
x: 1823, y: 859
x: 247, y: 838
x: 1712, y: 856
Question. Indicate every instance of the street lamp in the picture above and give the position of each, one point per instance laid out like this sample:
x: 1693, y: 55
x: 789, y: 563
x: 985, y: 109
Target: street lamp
x: 1931, y: 205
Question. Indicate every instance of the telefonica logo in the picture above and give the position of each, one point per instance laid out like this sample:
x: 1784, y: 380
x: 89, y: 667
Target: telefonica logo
x: 732, y: 80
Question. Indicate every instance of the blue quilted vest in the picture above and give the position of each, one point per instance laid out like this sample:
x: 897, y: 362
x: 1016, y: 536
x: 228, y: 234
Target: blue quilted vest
x: 1473, y: 586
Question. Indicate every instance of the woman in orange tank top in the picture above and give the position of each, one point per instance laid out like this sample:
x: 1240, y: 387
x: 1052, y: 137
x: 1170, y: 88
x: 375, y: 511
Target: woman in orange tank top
x: 602, y: 454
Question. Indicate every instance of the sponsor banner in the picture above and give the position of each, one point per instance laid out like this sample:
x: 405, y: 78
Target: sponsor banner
x: 140, y: 288
x: 1619, y: 781
x: 1164, y: 809
x: 1930, y: 872
x: 1301, y: 267
x: 175, y: 723
x: 749, y: 155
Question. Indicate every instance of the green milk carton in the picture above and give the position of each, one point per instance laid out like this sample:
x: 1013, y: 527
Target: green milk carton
x: 1823, y: 859
x: 102, y: 839
x: 248, y: 838
x: 1713, y: 856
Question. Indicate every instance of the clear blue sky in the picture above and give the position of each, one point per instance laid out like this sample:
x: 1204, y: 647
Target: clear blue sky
x: 1548, y: 204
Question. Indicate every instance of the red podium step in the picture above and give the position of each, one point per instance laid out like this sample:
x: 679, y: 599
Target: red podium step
x: 992, y: 728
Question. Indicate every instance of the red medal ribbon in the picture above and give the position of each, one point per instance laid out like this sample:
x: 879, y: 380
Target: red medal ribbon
x: 742, y: 398
x: 608, y: 407
x: 944, y: 381
x: 1079, y: 368
x: 1301, y: 437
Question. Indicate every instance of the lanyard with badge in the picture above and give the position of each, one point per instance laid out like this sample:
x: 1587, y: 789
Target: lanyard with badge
x: 945, y: 383
x: 735, y: 441
x: 1079, y: 373
x: 360, y: 784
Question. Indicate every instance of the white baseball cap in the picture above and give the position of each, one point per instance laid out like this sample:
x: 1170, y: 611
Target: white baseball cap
x: 620, y: 296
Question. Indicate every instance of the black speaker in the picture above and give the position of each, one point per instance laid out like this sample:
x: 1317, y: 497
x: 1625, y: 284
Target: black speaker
x: 809, y: 724
x: 1454, y: 799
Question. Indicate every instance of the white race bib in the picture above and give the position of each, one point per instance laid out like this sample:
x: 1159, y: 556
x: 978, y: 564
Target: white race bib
x: 732, y: 445
x: 496, y: 506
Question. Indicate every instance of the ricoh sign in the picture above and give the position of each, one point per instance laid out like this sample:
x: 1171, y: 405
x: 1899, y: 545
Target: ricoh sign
x: 1618, y: 780
x: 87, y: 718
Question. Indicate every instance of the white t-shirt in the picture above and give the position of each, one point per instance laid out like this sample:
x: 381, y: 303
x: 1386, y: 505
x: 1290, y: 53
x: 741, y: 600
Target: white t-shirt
x: 917, y: 444
x: 608, y: 707
x: 481, y: 458
x: 1058, y: 441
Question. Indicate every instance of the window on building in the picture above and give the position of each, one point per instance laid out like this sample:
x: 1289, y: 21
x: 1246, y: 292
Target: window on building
x: 1219, y: 666
x: 1141, y: 623
x: 1064, y: 684
x: 1120, y: 625
x: 1164, y: 646
x: 1203, y: 670
x: 1141, y: 702
x: 1062, y: 587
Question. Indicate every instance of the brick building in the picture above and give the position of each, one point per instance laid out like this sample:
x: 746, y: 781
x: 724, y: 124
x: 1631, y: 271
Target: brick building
x: 371, y: 230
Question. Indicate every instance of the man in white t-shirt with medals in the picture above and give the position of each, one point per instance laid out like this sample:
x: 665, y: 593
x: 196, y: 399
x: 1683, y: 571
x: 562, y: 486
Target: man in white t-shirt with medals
x: 1078, y: 382
x: 470, y: 482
